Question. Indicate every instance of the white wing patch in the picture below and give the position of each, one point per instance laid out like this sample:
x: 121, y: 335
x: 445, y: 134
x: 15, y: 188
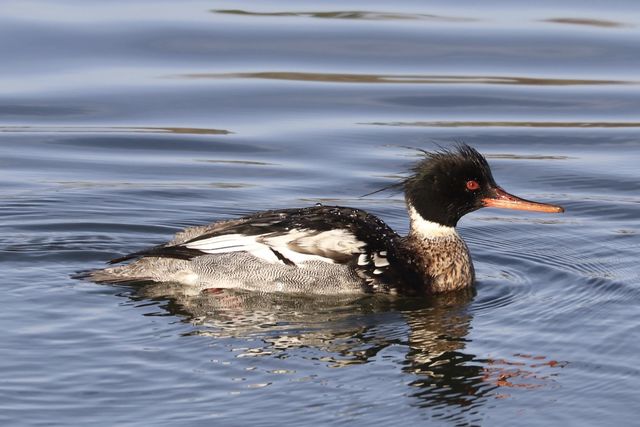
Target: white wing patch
x: 380, y: 259
x: 233, y: 243
x: 297, y: 246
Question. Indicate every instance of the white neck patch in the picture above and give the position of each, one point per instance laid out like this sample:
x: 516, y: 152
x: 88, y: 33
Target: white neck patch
x: 428, y: 229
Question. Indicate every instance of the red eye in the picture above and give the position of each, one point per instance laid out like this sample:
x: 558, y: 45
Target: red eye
x: 472, y: 185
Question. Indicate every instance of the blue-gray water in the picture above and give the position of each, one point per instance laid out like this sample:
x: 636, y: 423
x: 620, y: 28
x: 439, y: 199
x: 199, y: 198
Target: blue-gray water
x: 122, y: 122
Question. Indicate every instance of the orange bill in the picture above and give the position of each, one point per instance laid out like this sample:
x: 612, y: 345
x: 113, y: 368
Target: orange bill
x: 502, y: 199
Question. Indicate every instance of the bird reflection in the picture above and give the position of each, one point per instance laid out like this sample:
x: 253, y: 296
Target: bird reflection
x: 445, y: 373
x: 431, y: 333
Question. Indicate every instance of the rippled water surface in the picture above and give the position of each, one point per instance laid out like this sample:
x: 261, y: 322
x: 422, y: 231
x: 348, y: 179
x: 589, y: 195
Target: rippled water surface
x: 122, y: 122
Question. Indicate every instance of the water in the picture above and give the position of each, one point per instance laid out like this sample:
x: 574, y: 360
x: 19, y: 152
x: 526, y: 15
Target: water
x: 123, y: 122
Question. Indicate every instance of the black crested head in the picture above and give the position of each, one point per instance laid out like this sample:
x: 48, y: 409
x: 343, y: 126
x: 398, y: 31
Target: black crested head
x: 448, y: 184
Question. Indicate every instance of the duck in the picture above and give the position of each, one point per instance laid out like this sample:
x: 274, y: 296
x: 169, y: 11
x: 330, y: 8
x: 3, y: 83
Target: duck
x: 334, y: 249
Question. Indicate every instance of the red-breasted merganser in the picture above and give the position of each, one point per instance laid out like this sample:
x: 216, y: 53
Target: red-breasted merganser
x: 333, y: 249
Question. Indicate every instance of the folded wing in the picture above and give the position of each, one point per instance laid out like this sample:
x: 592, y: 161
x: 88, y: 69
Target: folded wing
x: 292, y: 237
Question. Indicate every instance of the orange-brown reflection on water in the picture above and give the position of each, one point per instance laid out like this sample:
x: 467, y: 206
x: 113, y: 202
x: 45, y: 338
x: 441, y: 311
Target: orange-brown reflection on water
x: 524, y: 371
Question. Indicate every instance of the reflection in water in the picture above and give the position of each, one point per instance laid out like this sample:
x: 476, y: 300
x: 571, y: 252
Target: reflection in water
x: 526, y: 157
x: 236, y: 162
x: 352, y: 330
x: 349, y: 14
x: 403, y: 78
x: 456, y: 124
x: 112, y: 129
x: 393, y: 16
x: 601, y: 23
x: 148, y: 185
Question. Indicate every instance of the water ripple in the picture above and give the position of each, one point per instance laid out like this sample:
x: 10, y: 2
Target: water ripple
x: 599, y: 23
x: 406, y: 78
x: 507, y: 124
x: 112, y: 129
x: 348, y: 14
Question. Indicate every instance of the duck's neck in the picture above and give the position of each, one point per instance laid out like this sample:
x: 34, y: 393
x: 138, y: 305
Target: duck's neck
x: 428, y: 230
x: 440, y: 253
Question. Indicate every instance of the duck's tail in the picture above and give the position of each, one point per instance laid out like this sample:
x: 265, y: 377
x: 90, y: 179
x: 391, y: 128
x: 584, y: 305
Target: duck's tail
x: 141, y: 270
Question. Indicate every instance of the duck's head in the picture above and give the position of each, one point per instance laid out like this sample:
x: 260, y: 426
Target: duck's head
x: 449, y: 184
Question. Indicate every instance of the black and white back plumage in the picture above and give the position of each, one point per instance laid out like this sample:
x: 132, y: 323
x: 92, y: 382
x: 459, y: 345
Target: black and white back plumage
x: 297, y: 239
